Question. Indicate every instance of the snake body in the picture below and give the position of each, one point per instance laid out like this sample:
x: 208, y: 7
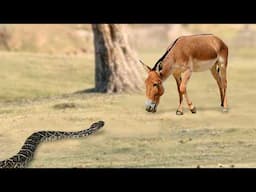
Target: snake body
x: 25, y: 155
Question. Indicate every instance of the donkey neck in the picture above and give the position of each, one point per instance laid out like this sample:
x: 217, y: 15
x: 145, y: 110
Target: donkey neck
x: 164, y: 64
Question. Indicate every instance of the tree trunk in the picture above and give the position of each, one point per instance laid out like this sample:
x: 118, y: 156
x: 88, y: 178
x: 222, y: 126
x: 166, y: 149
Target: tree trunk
x: 117, y: 68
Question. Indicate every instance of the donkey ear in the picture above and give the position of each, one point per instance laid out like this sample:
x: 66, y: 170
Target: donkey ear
x: 147, y: 68
x: 159, y: 67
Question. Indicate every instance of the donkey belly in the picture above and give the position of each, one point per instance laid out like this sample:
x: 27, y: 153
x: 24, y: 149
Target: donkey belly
x: 203, y: 65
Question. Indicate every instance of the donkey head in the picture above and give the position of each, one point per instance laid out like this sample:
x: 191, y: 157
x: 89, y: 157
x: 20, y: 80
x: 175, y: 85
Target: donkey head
x: 154, y: 88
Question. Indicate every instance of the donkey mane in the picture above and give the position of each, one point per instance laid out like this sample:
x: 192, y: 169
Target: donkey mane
x: 162, y: 58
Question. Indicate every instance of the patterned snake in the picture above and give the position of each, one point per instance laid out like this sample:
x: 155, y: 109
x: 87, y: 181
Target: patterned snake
x: 25, y: 155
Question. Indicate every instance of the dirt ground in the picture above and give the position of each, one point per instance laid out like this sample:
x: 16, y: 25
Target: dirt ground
x: 131, y: 137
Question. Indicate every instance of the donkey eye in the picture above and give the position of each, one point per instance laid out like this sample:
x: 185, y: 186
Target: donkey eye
x: 155, y: 84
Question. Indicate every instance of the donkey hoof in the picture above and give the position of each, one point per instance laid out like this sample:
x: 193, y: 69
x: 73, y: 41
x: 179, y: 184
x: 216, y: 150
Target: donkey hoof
x: 179, y: 112
x: 225, y: 110
x: 193, y: 110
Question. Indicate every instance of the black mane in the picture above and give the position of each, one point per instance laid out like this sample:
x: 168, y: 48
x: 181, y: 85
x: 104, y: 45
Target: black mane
x: 162, y: 58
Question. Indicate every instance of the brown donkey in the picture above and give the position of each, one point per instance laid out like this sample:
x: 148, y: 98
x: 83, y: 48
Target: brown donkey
x: 194, y: 53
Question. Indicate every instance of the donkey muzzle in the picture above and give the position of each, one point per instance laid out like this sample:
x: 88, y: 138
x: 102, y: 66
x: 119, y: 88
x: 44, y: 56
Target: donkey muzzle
x: 150, y: 106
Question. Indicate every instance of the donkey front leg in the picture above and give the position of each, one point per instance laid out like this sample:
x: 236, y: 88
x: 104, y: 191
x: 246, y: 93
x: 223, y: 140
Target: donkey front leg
x: 179, y: 111
x: 186, y: 76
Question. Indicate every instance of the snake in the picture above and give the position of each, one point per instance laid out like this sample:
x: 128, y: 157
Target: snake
x: 26, y: 153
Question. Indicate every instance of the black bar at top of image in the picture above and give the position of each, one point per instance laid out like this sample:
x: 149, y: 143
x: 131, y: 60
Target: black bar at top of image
x: 129, y: 12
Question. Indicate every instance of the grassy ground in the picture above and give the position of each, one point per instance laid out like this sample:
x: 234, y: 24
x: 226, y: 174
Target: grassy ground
x: 27, y: 76
x: 131, y: 137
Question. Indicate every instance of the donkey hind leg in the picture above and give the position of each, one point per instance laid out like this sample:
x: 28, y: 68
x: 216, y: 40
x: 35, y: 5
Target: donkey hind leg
x: 223, y: 77
x: 179, y: 111
x: 186, y: 76
x: 215, y: 73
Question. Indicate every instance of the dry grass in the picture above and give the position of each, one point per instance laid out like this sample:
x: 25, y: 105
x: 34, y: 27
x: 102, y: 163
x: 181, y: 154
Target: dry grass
x: 131, y: 137
x: 28, y: 76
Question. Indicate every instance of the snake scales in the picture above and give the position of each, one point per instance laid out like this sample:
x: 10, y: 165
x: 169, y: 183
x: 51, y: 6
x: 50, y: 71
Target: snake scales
x: 25, y: 155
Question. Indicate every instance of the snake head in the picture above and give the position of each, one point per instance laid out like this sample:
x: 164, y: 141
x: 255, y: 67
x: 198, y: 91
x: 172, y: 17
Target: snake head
x: 97, y: 125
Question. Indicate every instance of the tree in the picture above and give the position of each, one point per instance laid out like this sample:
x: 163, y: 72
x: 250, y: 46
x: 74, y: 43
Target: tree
x: 4, y: 37
x: 117, y: 68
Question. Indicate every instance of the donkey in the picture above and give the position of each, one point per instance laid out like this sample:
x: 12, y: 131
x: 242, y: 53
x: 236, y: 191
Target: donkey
x: 192, y: 53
